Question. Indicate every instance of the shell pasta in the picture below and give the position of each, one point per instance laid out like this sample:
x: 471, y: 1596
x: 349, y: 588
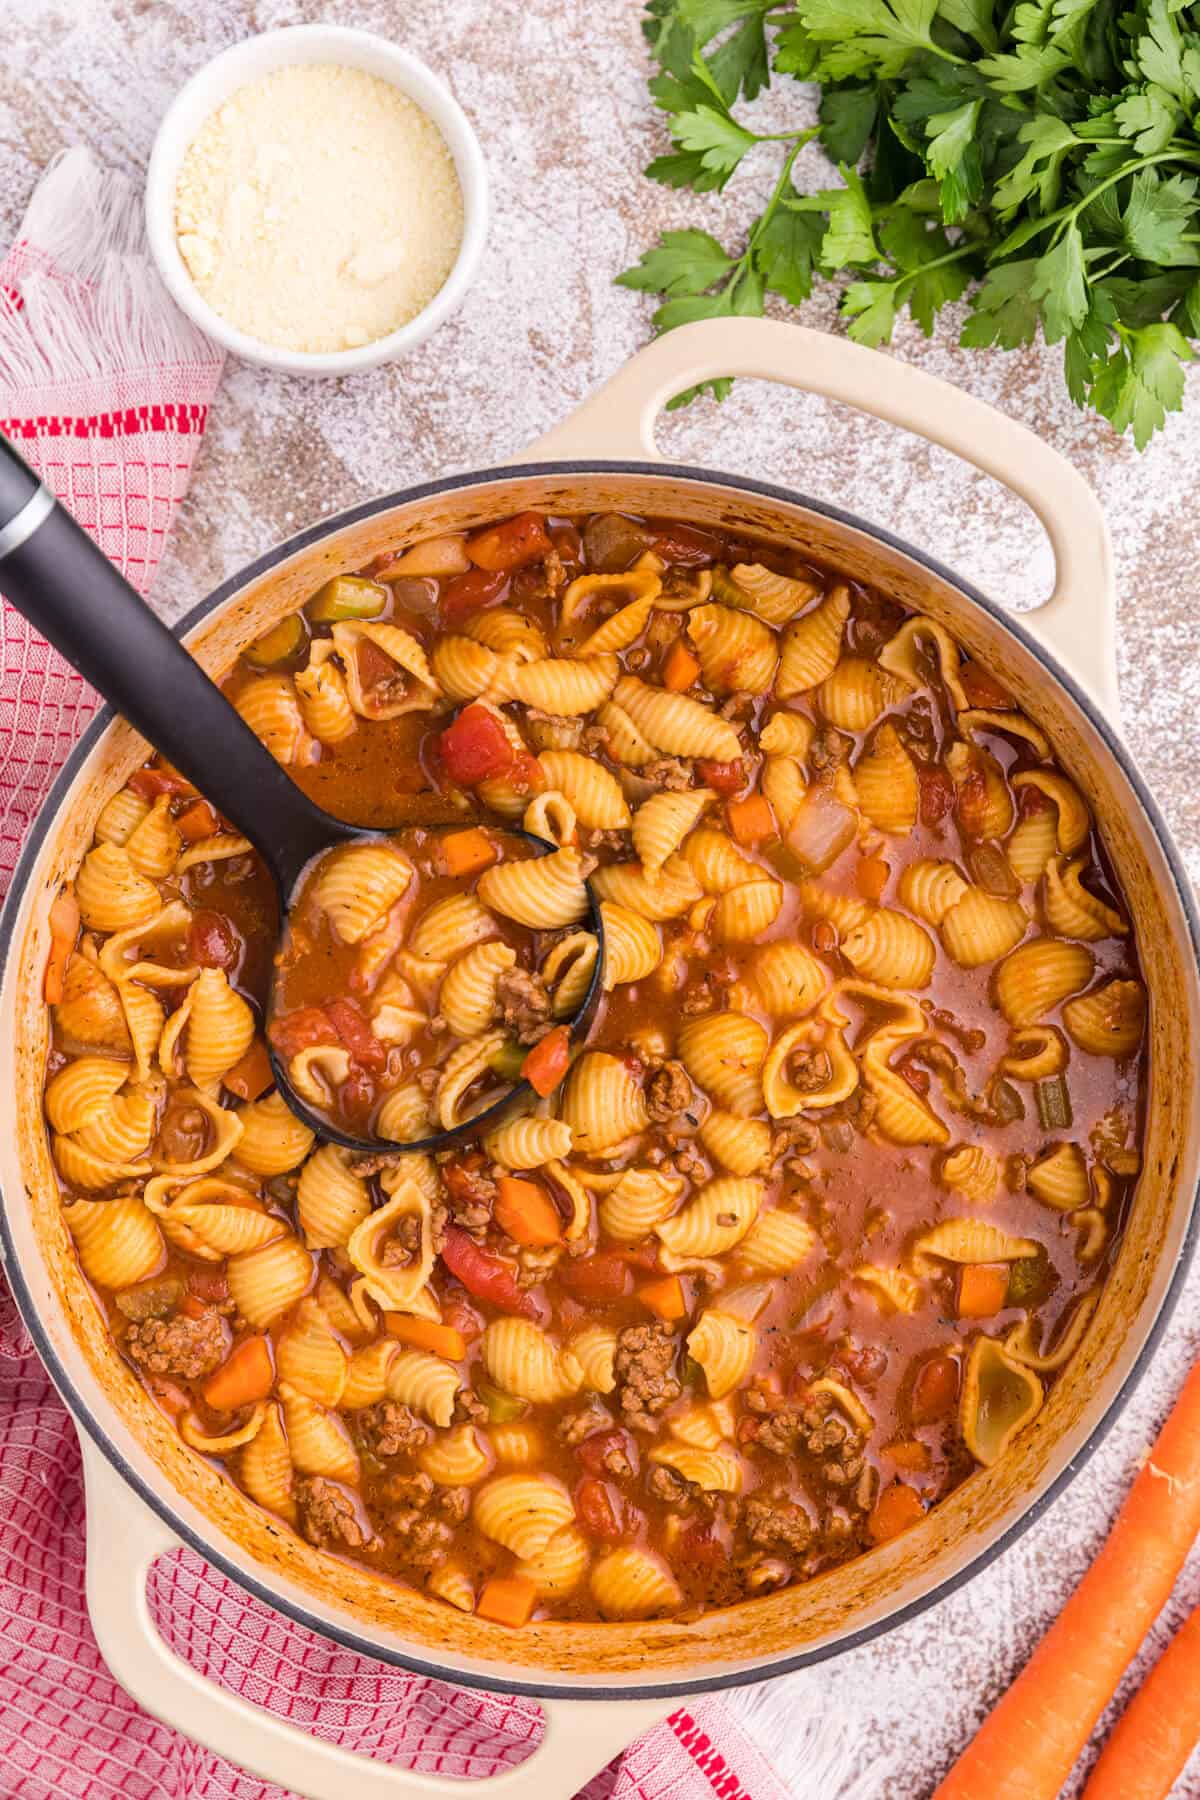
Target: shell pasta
x: 740, y: 1275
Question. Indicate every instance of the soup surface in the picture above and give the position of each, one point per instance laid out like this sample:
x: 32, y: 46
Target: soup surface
x: 760, y: 1271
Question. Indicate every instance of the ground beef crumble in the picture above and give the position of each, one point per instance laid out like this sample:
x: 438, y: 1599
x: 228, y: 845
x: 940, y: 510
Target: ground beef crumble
x: 777, y: 1524
x: 524, y: 1004
x: 328, y: 1517
x: 642, y: 1363
x: 423, y: 1516
x: 668, y: 772
x: 668, y: 1093
x: 388, y: 1429
x: 187, y: 1348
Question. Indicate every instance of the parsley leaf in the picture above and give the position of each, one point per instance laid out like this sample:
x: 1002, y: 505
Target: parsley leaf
x: 1040, y: 157
x: 868, y: 34
x: 787, y: 249
x: 1142, y: 381
x: 686, y: 262
x: 1059, y: 280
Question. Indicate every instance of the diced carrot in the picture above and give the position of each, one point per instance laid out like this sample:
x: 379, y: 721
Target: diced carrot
x: 246, y: 1375
x: 982, y: 1290
x: 665, y: 1297
x: 161, y: 779
x: 427, y: 1334
x: 547, y: 1062
x: 64, y: 929
x: 525, y: 1210
x: 680, y: 668
x: 467, y: 852
x: 192, y: 1306
x: 252, y: 1074
x: 909, y: 1454
x: 199, y: 820
x: 897, y: 1509
x: 871, y: 877
x: 517, y: 541
x: 507, y: 1600
x: 751, y: 820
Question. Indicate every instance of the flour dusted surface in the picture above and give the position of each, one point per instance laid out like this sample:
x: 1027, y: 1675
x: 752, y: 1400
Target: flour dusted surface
x: 318, y: 209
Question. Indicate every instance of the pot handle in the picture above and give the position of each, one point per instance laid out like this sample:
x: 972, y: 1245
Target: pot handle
x: 124, y: 1538
x: 1076, y: 624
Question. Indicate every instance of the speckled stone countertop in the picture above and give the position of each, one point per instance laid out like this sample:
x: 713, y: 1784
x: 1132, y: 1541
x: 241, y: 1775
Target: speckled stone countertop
x: 557, y: 91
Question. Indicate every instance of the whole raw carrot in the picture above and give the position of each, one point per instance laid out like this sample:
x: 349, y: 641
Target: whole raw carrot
x: 1159, y: 1728
x: 1026, y: 1747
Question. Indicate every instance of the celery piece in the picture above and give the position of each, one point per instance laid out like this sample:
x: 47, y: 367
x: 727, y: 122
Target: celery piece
x: 1053, y: 1104
x: 347, y: 597
x: 283, y: 643
x: 502, y: 1408
x: 509, y: 1060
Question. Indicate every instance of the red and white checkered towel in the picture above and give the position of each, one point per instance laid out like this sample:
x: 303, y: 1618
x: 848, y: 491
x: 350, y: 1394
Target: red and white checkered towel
x: 104, y: 388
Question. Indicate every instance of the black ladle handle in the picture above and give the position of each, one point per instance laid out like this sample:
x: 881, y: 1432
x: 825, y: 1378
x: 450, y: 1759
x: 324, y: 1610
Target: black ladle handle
x: 54, y: 574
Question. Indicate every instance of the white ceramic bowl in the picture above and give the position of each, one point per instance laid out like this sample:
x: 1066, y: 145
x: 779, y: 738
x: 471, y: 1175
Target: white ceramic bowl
x: 212, y: 85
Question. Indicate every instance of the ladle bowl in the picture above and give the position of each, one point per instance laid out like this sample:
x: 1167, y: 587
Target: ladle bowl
x: 66, y: 587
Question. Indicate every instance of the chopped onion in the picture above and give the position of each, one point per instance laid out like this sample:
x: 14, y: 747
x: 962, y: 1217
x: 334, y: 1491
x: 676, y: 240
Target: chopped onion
x: 820, y: 831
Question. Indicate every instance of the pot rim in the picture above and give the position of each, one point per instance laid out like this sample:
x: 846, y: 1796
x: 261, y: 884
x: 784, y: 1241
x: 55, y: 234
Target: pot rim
x: 685, y: 1686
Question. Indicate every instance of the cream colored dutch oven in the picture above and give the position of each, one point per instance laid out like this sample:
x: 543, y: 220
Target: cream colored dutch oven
x: 603, y: 1684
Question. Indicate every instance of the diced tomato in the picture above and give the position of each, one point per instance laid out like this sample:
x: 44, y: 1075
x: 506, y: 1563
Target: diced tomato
x: 600, y: 1278
x: 700, y: 1548
x: 547, y: 1062
x: 213, y: 940
x: 517, y: 541
x: 598, y: 1512
x: 919, y: 1080
x: 475, y: 747
x: 935, y: 1389
x: 486, y: 1275
x: 208, y: 1282
x: 299, y: 1030
x: 1031, y: 800
x: 593, y: 1451
x: 685, y: 544
x: 150, y: 783
x: 462, y: 1317
x: 863, y: 1363
x: 464, y: 594
x: 983, y: 689
x: 972, y: 803
x: 937, y: 795
x: 567, y: 542
x: 722, y: 777
x: 460, y: 1178
x: 357, y: 1095
x: 525, y: 773
x: 354, y: 1031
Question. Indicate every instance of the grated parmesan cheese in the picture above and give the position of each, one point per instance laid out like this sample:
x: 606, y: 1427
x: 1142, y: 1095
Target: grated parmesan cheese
x: 318, y: 209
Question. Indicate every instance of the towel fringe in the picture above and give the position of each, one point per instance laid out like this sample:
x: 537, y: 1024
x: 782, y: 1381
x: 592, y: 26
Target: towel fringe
x: 814, y: 1754
x: 81, y: 298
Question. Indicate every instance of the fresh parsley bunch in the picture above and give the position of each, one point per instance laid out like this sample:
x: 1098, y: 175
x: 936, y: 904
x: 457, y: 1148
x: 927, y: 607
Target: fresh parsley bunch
x: 1043, y: 157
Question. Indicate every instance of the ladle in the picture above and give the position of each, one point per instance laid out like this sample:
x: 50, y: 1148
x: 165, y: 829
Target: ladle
x: 54, y: 574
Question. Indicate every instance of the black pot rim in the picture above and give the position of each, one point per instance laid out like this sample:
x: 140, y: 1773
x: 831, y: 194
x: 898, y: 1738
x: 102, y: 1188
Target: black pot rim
x: 683, y: 1687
